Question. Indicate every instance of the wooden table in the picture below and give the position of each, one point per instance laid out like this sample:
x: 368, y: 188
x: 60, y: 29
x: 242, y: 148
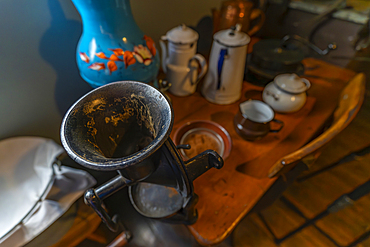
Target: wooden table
x: 227, y: 195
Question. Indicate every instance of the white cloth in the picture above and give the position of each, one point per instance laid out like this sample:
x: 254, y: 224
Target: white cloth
x: 32, y: 196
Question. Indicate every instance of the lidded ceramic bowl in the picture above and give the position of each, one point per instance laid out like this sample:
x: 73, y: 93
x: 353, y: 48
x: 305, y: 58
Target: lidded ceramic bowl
x: 286, y: 93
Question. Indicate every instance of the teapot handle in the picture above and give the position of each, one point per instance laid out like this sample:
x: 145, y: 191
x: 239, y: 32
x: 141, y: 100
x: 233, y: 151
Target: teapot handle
x: 164, y: 53
x: 203, y: 66
x: 307, y: 82
x: 254, y: 15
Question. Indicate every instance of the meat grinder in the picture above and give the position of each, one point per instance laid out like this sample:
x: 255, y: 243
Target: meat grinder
x: 125, y: 126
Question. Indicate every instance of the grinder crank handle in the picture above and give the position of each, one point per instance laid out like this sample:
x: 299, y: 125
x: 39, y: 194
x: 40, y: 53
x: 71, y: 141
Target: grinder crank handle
x: 201, y: 163
x: 94, y: 197
x: 123, y: 238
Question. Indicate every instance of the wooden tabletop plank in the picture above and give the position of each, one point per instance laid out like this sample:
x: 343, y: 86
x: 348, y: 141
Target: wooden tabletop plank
x: 227, y: 195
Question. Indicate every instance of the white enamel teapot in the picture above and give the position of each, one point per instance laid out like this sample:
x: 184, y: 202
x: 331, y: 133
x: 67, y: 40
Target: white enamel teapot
x: 180, y: 61
x: 286, y: 93
x: 224, y: 79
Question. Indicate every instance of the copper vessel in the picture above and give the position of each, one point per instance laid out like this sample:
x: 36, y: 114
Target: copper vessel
x: 234, y: 12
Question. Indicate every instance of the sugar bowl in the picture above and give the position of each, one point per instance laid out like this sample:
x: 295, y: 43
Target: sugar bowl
x: 286, y: 93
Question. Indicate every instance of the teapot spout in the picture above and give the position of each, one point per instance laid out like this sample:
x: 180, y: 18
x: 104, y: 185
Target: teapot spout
x: 202, y: 163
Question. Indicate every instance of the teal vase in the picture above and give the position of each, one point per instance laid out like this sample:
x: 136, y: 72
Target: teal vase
x: 112, y: 47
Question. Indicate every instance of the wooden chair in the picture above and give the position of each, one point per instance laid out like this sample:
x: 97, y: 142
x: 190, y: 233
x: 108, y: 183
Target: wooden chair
x: 87, y: 225
x: 350, y: 103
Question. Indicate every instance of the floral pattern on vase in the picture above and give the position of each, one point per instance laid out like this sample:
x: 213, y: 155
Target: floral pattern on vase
x: 112, y: 47
x: 141, y: 54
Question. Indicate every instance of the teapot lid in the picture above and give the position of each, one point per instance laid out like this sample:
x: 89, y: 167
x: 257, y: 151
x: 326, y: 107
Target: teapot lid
x: 182, y: 35
x: 292, y: 83
x: 232, y: 37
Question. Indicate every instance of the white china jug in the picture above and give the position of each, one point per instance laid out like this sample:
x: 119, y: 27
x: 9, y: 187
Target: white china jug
x: 180, y: 61
x: 224, y: 80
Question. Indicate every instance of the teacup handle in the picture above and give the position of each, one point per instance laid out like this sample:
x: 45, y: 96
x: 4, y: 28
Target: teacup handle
x: 256, y: 13
x: 203, y: 66
x: 279, y: 122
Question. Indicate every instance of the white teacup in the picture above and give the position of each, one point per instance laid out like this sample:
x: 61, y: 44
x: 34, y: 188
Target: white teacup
x: 184, y: 79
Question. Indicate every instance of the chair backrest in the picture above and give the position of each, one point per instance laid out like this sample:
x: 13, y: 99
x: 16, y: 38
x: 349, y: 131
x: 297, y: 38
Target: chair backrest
x: 350, y: 103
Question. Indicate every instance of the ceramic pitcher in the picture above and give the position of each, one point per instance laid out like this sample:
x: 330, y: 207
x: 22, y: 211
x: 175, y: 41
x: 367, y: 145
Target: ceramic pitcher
x: 224, y: 79
x: 183, y: 67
